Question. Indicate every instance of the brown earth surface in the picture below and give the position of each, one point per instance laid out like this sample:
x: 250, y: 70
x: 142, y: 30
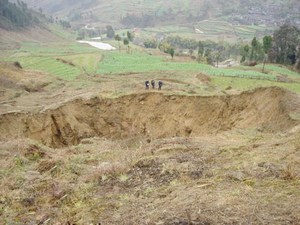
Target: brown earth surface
x: 153, y: 115
x: 74, y: 156
x: 9, y: 39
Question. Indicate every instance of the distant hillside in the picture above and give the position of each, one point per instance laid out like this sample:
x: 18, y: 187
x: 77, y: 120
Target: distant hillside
x: 19, y: 23
x: 144, y: 13
x: 16, y: 15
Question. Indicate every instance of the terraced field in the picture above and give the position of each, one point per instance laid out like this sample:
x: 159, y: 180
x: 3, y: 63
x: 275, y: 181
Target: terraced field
x: 68, y: 60
x: 120, y: 63
x: 64, y: 60
x: 50, y: 65
x: 216, y: 28
x: 86, y: 62
x: 208, y: 30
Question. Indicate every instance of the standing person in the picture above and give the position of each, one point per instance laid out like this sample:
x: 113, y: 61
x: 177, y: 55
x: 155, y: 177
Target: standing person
x: 160, y: 84
x: 147, y: 83
x: 153, y: 84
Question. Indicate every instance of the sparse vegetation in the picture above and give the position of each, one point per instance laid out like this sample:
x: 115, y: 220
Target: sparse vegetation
x: 83, y: 142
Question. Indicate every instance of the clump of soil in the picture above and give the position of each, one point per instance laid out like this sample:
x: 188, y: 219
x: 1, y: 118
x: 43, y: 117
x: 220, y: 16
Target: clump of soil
x: 203, y: 78
x: 15, y: 81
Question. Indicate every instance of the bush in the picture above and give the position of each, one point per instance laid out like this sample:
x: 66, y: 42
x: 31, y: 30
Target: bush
x: 150, y: 44
x: 18, y: 65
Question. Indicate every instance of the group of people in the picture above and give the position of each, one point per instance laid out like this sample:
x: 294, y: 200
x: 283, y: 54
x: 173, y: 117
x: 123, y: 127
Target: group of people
x: 147, y: 84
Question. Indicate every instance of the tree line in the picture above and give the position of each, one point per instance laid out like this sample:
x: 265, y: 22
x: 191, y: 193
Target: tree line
x: 282, y: 47
x: 16, y: 14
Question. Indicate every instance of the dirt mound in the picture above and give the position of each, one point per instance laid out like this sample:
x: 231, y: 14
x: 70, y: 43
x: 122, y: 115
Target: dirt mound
x: 13, y: 77
x: 154, y: 115
x: 203, y: 78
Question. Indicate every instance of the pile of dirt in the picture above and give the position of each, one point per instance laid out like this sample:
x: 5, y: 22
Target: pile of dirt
x: 13, y: 76
x: 203, y: 78
x: 153, y: 115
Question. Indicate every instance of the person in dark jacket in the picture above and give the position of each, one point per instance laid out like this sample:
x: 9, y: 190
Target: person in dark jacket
x: 153, y: 84
x: 147, y: 84
x: 160, y: 84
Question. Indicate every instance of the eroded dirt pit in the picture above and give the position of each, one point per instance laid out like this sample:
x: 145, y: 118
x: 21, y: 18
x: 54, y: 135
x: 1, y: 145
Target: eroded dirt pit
x: 153, y: 115
x: 152, y: 158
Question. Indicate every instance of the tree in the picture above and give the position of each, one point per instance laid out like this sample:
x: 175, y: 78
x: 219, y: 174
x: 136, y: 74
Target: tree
x: 209, y: 56
x: 16, y: 14
x: 118, y: 39
x: 285, y: 42
x: 150, y: 43
x: 126, y: 42
x: 110, y: 33
x: 171, y: 51
x: 253, y: 48
x: 218, y: 53
x: 245, y: 53
x: 65, y: 24
x: 267, y: 45
x: 200, y: 51
x: 80, y: 35
x: 130, y: 36
x: 297, y: 64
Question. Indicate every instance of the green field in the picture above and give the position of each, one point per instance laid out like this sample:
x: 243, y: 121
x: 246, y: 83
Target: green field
x: 50, y: 65
x: 64, y: 60
x: 87, y: 62
x: 208, y: 30
x: 247, y: 84
x: 279, y: 70
x: 119, y: 63
x: 221, y: 28
x: 68, y: 60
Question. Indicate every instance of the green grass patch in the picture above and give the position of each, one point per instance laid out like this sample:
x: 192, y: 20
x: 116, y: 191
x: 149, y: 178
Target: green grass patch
x: 247, y: 84
x: 43, y: 57
x: 215, y: 27
x: 86, y: 62
x: 50, y: 65
x: 52, y: 49
x: 279, y: 70
x: 118, y: 63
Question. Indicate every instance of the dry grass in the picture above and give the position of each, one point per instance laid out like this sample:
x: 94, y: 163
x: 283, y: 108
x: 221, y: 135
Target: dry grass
x: 238, y: 176
x: 289, y: 173
x: 161, y: 181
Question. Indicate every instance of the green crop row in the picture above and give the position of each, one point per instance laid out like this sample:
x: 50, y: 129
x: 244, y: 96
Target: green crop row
x: 118, y: 63
x: 50, y: 65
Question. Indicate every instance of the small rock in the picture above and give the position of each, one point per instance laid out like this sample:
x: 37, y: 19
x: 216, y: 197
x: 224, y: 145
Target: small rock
x: 236, y: 176
x: 27, y: 201
x: 141, y: 98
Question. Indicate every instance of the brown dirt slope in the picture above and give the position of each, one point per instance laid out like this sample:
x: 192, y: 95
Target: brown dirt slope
x: 153, y: 115
x: 34, y: 34
x: 15, y: 81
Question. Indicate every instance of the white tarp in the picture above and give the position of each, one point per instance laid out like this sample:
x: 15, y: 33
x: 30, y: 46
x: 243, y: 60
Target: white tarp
x: 99, y: 45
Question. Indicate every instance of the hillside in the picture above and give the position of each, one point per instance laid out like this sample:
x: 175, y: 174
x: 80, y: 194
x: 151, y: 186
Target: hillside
x: 170, y: 11
x: 14, y: 15
x: 19, y: 23
x: 89, y: 159
x: 83, y: 140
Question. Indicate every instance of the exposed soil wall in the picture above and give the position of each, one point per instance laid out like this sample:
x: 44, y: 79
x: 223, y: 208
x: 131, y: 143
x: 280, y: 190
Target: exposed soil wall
x: 152, y: 114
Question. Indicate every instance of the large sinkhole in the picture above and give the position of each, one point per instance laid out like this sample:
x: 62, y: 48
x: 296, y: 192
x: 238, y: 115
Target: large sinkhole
x: 150, y: 114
